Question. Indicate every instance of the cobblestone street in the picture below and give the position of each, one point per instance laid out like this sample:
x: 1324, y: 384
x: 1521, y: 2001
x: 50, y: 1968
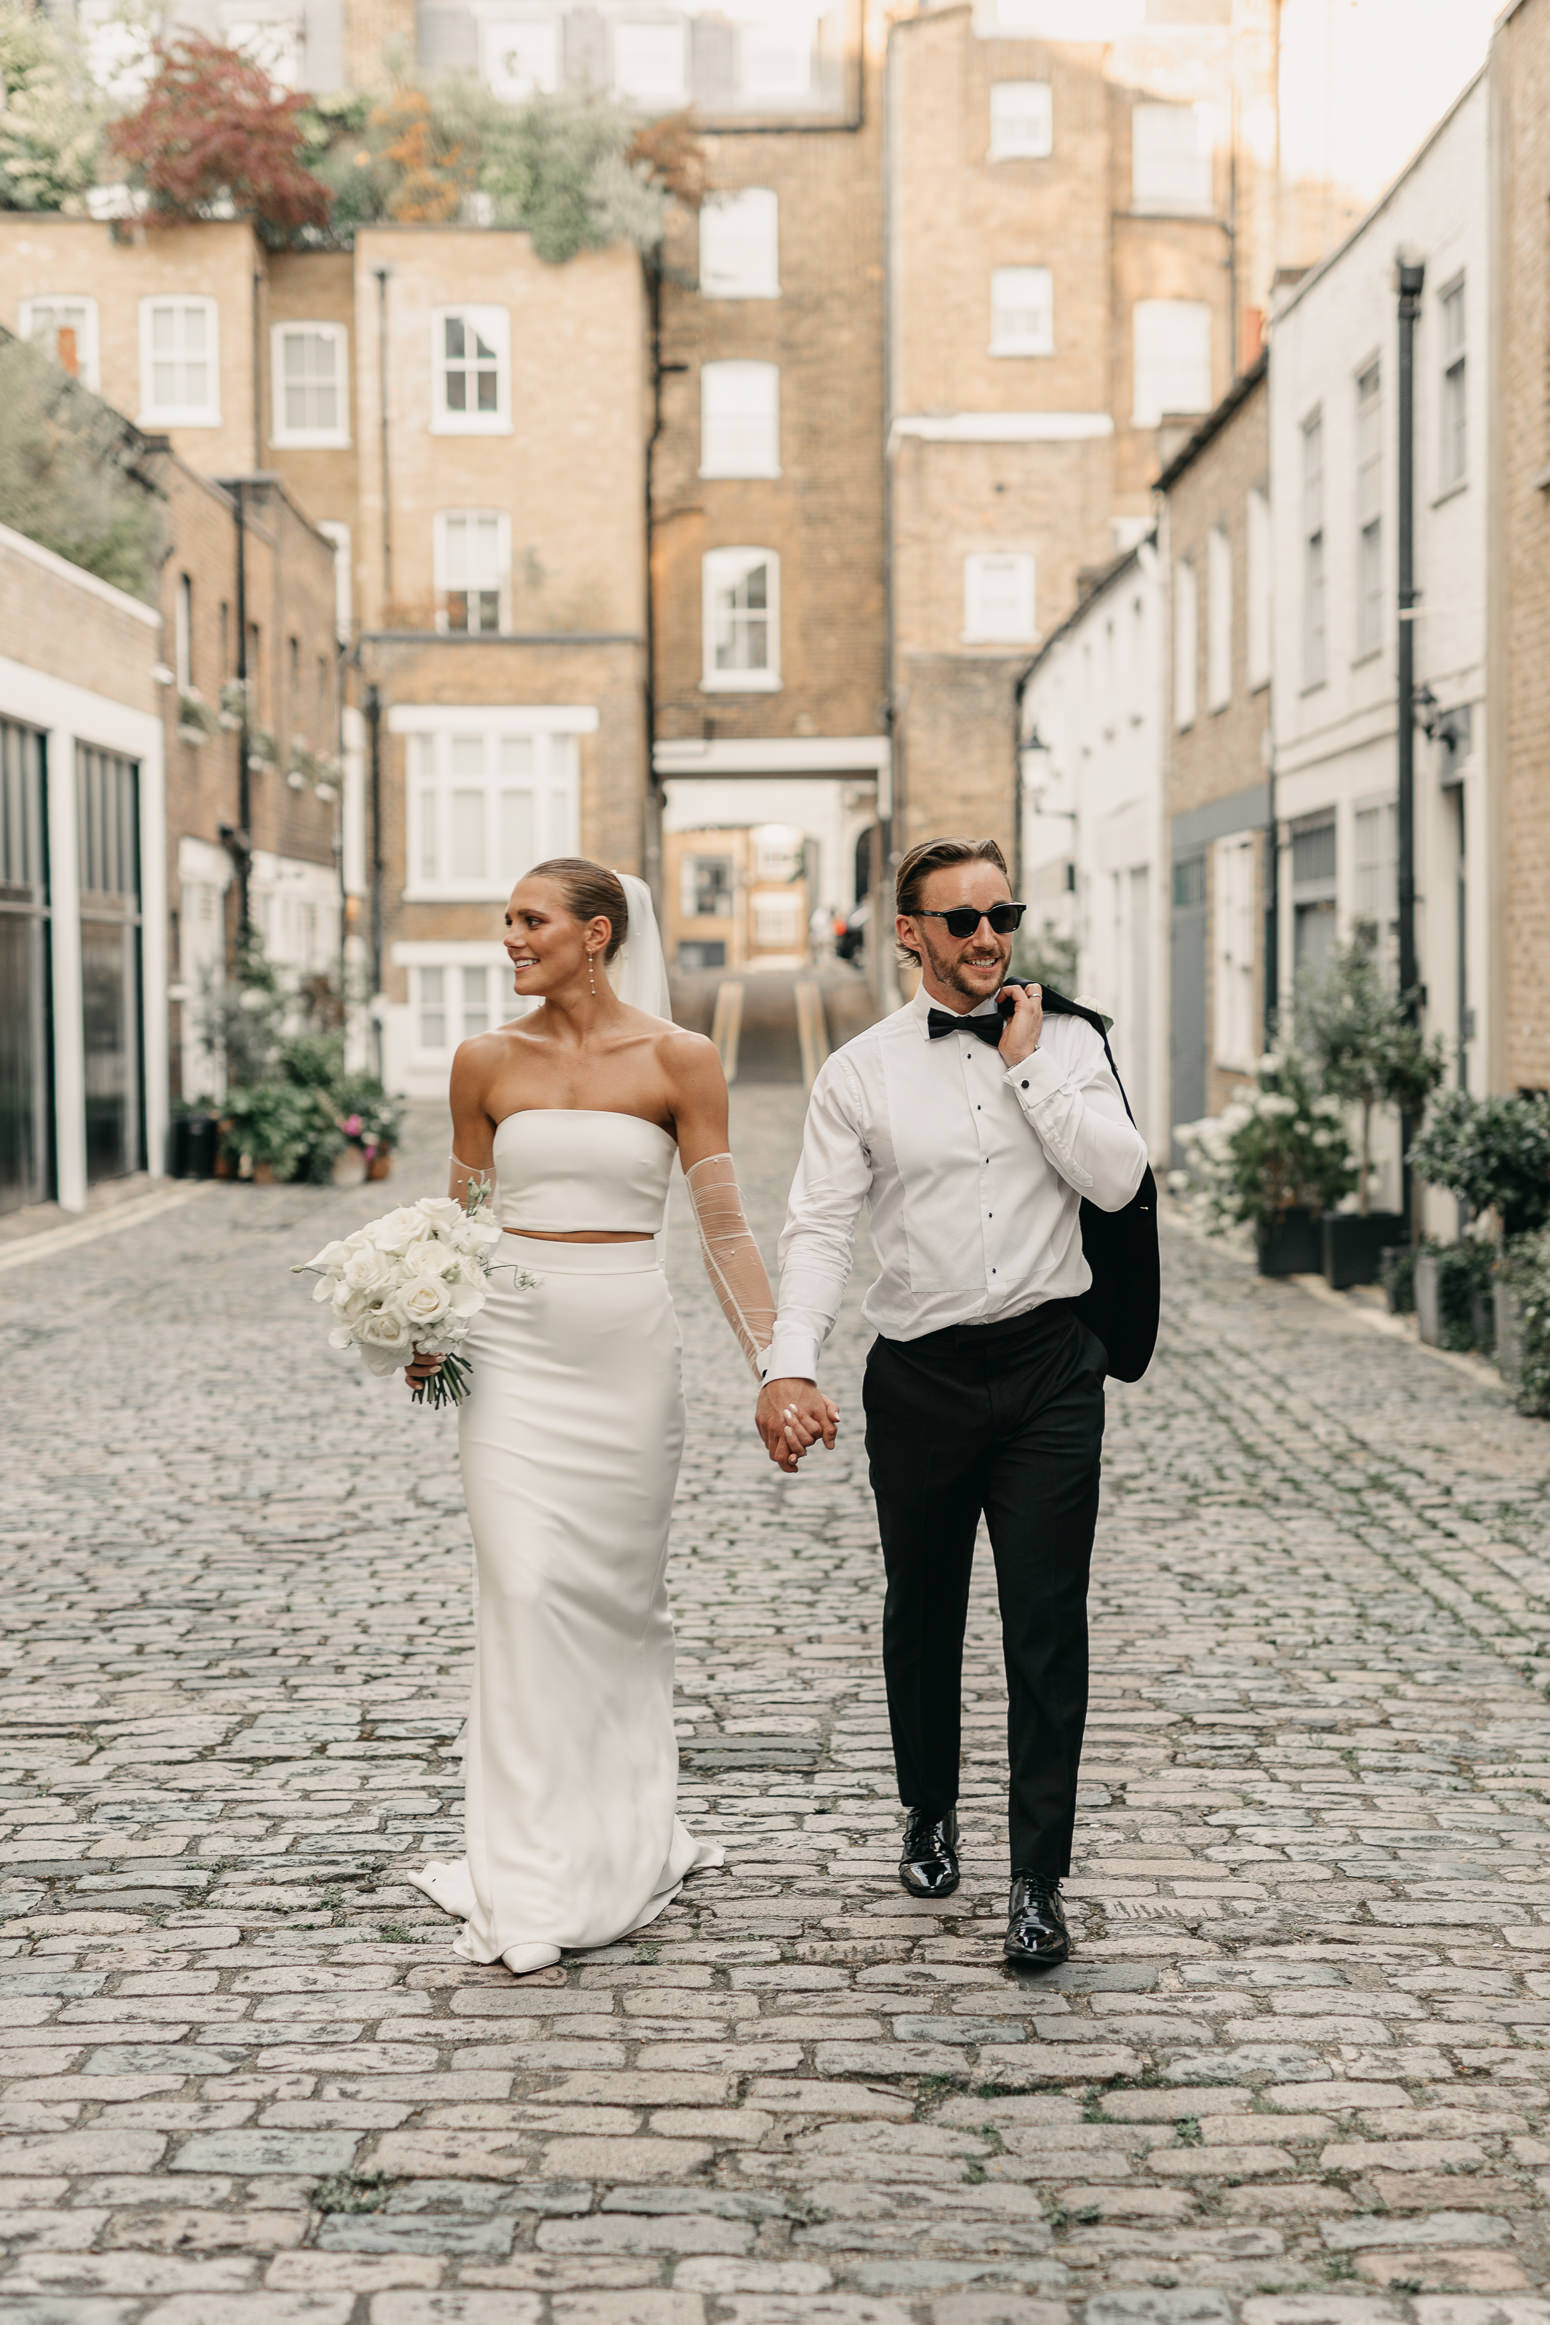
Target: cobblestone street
x: 1297, y: 2072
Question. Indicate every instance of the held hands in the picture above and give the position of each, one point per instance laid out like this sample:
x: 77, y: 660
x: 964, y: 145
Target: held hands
x: 790, y: 1416
x: 1024, y: 1026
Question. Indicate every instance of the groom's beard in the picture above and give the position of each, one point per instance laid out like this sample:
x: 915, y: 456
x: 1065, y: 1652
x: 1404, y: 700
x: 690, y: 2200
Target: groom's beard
x: 948, y: 973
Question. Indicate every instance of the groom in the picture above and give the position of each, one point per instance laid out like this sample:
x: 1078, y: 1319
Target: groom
x: 971, y: 1136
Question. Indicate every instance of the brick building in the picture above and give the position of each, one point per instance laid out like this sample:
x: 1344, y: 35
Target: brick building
x: 245, y: 543
x: 1216, y: 559
x: 768, y: 480
x: 1518, y: 567
x: 468, y: 427
x: 1080, y: 250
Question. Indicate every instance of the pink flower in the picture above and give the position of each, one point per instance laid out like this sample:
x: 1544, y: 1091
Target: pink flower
x: 351, y: 1126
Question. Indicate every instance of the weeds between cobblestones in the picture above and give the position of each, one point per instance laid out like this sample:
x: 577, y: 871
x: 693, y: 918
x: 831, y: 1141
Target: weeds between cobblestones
x: 1296, y: 2074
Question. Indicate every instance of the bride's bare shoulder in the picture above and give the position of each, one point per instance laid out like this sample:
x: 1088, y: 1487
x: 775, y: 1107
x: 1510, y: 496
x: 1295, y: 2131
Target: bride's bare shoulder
x: 478, y: 1060
x: 681, y: 1053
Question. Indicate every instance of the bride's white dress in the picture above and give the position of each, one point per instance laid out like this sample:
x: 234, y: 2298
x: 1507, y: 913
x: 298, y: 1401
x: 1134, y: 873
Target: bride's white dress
x: 571, y: 1438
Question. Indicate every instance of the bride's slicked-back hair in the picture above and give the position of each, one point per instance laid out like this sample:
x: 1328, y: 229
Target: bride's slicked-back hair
x: 590, y: 891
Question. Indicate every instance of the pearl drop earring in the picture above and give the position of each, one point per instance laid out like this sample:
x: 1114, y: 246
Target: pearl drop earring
x: 592, y: 974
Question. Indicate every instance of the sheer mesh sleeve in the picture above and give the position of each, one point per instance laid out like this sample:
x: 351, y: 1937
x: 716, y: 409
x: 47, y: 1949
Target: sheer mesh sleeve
x: 731, y: 1255
x: 464, y: 1178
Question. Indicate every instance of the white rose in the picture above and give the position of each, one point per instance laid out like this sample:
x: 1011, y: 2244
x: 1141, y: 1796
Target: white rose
x: 440, y: 1210
x: 396, y: 1230
x: 366, y: 1270
x: 350, y: 1307
x: 384, y: 1340
x: 425, y: 1303
x: 431, y: 1261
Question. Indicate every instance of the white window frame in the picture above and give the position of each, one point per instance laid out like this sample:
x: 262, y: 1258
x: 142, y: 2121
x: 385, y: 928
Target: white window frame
x: 981, y: 624
x: 344, y: 579
x: 1315, y: 558
x: 722, y: 568
x: 1186, y: 644
x: 87, y: 342
x: 1219, y: 594
x: 1150, y: 401
x: 442, y: 562
x: 177, y: 415
x: 431, y: 778
x: 1368, y: 498
x: 1022, y: 121
x: 1259, y: 583
x: 741, y: 441
x: 1191, y: 194
x: 183, y: 632
x: 453, y: 964
x: 1375, y: 875
x: 545, y: 78
x: 291, y: 439
x: 493, y: 325
x: 1235, y: 950
x: 664, y: 99
x: 1033, y: 296
x: 1453, y: 385
x: 747, y: 263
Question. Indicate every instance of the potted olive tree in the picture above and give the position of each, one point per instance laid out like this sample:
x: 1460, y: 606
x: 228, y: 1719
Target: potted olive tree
x: 1369, y: 1052
x: 1494, y: 1155
x: 1275, y: 1160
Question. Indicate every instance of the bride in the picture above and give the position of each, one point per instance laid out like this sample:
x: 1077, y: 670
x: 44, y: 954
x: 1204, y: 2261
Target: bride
x: 572, y: 1432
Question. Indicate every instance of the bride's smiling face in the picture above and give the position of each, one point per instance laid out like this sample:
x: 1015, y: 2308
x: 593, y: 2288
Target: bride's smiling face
x: 545, y: 943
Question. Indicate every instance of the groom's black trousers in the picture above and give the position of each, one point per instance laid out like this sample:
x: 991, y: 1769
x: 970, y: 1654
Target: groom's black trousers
x: 1004, y: 1419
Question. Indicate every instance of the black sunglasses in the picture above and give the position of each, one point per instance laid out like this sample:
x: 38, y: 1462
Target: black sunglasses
x: 964, y: 919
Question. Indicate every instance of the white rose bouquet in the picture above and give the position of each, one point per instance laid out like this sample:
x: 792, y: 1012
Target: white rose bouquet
x: 410, y: 1284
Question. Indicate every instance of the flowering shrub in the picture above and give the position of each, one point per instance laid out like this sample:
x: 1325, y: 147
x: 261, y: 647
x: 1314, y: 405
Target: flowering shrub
x: 1281, y: 1146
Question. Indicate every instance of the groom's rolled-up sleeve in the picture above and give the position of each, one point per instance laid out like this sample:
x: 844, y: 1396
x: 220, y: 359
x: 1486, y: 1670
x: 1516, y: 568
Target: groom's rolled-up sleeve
x: 818, y: 1242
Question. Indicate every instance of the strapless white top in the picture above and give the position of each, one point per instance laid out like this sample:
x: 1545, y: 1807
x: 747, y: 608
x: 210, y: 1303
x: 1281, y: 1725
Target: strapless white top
x: 565, y: 1170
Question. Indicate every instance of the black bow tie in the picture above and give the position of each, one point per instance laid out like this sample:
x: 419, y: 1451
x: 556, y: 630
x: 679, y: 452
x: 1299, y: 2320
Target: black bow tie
x: 990, y: 1026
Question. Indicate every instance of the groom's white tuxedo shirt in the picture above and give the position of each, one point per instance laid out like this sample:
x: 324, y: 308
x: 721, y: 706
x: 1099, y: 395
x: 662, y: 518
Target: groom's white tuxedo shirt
x: 972, y: 1173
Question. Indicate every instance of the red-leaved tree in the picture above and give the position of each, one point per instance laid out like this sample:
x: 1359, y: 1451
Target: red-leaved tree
x: 213, y: 130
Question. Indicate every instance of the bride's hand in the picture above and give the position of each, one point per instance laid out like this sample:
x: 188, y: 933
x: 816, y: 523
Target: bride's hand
x: 423, y: 1368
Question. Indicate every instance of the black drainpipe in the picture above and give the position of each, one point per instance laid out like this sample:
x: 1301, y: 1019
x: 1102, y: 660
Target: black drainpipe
x: 242, y: 838
x: 1409, y: 279
x: 374, y: 779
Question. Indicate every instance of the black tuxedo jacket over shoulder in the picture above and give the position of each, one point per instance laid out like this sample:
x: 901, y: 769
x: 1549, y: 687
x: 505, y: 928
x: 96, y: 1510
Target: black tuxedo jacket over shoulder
x: 1123, y: 1304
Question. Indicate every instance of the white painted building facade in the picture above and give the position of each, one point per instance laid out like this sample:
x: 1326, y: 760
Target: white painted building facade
x: 1093, y: 852
x: 1334, y: 492
x: 83, y: 904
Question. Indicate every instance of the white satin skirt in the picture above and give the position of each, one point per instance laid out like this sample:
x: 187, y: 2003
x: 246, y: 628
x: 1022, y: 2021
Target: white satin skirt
x: 571, y: 1438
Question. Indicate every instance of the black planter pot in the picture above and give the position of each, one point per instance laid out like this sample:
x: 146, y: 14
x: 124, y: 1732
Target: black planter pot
x: 191, y: 1143
x: 1353, y: 1246
x: 1288, y: 1245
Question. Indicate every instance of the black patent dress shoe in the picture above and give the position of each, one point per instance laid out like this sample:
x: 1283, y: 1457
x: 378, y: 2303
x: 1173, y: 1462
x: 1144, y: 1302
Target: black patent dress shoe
x: 928, y: 1862
x: 1036, y: 1931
